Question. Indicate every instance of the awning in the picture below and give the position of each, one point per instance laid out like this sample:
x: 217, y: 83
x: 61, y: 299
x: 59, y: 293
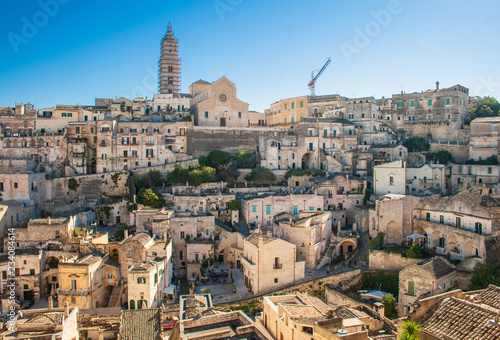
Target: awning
x: 169, y: 290
x: 415, y: 236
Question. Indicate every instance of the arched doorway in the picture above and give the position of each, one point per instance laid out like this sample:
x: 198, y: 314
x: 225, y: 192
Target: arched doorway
x: 308, y: 161
x: 437, y: 239
x: 346, y: 246
x: 470, y: 249
x: 392, y: 232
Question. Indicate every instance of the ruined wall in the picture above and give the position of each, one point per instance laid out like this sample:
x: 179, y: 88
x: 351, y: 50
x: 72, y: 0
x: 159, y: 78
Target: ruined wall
x: 380, y: 260
x: 460, y: 152
x: 202, y: 140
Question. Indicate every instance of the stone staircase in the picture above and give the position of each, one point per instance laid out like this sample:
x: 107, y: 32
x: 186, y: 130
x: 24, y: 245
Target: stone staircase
x: 117, y: 292
x: 362, y: 255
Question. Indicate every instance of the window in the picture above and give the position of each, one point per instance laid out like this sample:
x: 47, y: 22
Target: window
x: 4, y: 275
x: 180, y: 255
x: 182, y: 234
x: 206, y: 114
x: 254, y: 208
x: 129, y: 253
x: 293, y: 105
x: 311, y: 208
x: 428, y: 218
x: 141, y: 280
x: 412, y: 103
x: 156, y: 278
x: 77, y: 129
x: 411, y: 288
x: 295, y: 210
x: 53, y: 278
x: 16, y: 185
x: 301, y: 103
x: 429, y: 102
x: 391, y: 180
x: 239, y: 114
x: 494, y: 127
x: 26, y: 287
x: 458, y: 222
x: 268, y: 210
x: 275, y: 280
x: 400, y: 103
x: 70, y: 114
x: 125, y: 153
x: 448, y: 101
x: 32, y: 272
x: 441, y: 219
x: 301, y: 118
x: 103, y: 156
x: 285, y: 106
x: 489, y: 170
x: 73, y: 284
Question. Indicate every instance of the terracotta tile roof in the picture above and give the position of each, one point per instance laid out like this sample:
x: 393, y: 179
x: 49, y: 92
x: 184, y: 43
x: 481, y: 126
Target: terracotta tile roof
x: 349, y: 313
x: 490, y: 297
x: 141, y: 324
x: 459, y: 319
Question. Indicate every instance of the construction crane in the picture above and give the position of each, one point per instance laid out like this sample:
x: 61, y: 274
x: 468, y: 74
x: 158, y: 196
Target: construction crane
x: 312, y: 83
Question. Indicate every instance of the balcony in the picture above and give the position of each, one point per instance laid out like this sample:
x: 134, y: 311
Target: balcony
x: 74, y: 292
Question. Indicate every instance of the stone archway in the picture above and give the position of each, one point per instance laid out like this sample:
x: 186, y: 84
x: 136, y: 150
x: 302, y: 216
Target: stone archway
x: 470, y: 249
x: 308, y: 161
x: 392, y: 233
x: 435, y: 237
x: 345, y: 247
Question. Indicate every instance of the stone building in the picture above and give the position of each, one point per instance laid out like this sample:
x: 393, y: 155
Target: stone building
x: 393, y: 216
x: 216, y: 104
x: 313, y: 144
x: 28, y: 267
x: 169, y: 65
x: 459, y: 226
x: 436, y: 114
x: 483, y: 141
x: 139, y: 248
x: 260, y: 210
x: 310, y: 232
x: 293, y: 110
x: 270, y: 263
x: 466, y: 176
x: 84, y: 282
x: 397, y: 178
x: 428, y: 278
x: 41, y: 232
x: 303, y: 317
x: 146, y: 281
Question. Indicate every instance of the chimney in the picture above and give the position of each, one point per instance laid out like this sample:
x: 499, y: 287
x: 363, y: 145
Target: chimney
x: 125, y: 234
x: 437, y: 85
x: 379, y: 308
x: 66, y: 310
x: 339, y: 227
x: 49, y: 220
x: 51, y: 303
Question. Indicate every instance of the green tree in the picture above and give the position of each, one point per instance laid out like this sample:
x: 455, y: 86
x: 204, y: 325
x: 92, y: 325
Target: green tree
x: 389, y: 303
x: 244, y: 159
x: 416, y: 144
x: 261, y: 176
x: 234, y: 205
x: 217, y: 158
x: 410, y: 331
x: 492, y: 160
x: 483, y: 107
x: 377, y: 242
x: 415, y: 251
x: 202, y: 174
x: 119, y: 231
x: 442, y: 157
x: 180, y: 174
x: 485, y: 274
x: 150, y: 197
x: 228, y: 173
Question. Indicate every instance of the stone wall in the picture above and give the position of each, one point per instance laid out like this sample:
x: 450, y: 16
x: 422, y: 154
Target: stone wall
x: 460, y: 152
x: 110, y: 183
x: 380, y: 260
x: 202, y: 140
x: 334, y: 297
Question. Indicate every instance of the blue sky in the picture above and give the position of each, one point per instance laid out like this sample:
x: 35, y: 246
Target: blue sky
x: 81, y: 50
